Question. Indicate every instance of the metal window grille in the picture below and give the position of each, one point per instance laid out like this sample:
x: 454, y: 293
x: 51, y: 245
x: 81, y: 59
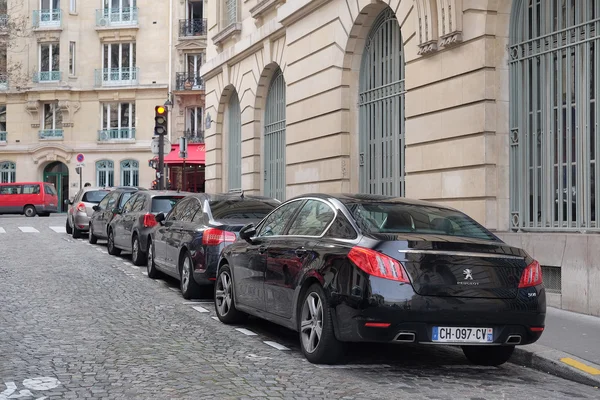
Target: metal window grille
x: 381, y: 109
x: 230, y: 12
x: 274, y: 140
x: 235, y: 143
x: 8, y: 172
x: 130, y: 173
x: 554, y: 58
x: 552, y: 279
x: 105, y: 173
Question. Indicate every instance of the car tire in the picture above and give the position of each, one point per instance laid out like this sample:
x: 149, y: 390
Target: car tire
x: 225, y: 299
x: 189, y: 288
x: 110, y: 246
x: 153, y: 273
x: 76, y: 233
x: 29, y: 211
x: 137, y: 255
x: 315, y: 316
x: 488, y: 355
x: 93, y: 239
x: 68, y: 228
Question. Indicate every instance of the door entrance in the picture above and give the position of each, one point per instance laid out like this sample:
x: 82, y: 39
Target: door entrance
x: 57, y: 173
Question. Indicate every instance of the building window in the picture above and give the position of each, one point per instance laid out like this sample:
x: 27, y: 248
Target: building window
x: 52, y: 118
x: 72, y: 71
x: 73, y: 6
x: 274, y: 138
x: 553, y: 138
x: 105, y: 173
x: 230, y: 12
x: 3, y: 60
x: 49, y: 62
x: 119, y: 62
x: 2, y: 118
x: 8, y: 172
x: 118, y: 121
x: 234, y: 156
x: 130, y: 173
x: 194, y: 24
x: 193, y: 64
x: 194, y: 124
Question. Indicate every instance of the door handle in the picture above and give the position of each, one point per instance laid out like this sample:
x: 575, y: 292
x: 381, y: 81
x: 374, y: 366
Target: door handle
x: 262, y: 249
x: 300, y: 252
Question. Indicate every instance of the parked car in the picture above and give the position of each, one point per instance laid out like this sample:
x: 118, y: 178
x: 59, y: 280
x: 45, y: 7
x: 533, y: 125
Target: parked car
x: 361, y: 268
x: 130, y: 229
x: 28, y: 198
x: 81, y: 209
x: 106, y: 210
x: 191, y: 236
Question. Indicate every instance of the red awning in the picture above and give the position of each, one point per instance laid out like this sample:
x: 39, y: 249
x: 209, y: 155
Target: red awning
x: 196, y: 154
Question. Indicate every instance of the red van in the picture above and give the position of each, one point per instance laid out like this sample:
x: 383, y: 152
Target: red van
x: 29, y: 198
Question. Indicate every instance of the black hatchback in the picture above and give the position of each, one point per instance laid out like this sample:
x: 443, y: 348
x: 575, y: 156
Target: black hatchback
x: 191, y: 236
x: 104, y: 212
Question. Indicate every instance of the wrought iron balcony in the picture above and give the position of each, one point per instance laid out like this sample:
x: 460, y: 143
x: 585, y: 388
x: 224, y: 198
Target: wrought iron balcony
x: 47, y: 76
x: 117, y: 17
x: 2, y: 136
x: 50, y: 134
x: 116, y: 134
x: 117, y: 76
x: 188, y: 81
x: 194, y: 136
x: 192, y: 27
x: 47, y: 18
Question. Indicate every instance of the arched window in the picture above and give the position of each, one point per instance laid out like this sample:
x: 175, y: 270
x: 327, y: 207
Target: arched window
x: 105, y: 173
x: 381, y: 109
x: 130, y: 173
x: 274, y: 138
x: 234, y: 119
x: 554, y: 143
x: 8, y: 172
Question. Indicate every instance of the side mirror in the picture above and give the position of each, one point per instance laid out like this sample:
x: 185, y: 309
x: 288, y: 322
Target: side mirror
x: 96, y: 208
x: 68, y: 202
x: 160, y: 217
x: 248, y: 232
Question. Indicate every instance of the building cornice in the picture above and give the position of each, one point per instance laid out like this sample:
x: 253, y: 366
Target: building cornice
x: 293, y: 11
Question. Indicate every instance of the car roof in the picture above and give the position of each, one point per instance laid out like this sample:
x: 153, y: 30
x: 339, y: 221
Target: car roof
x: 26, y: 183
x: 90, y: 188
x: 371, y: 198
x: 155, y: 193
x: 231, y: 196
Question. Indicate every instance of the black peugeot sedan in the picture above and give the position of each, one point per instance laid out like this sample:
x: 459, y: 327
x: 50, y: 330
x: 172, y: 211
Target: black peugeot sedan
x: 364, y: 268
x: 131, y: 227
x: 191, y: 236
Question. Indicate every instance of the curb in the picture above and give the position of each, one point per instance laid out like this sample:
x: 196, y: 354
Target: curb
x: 549, y: 360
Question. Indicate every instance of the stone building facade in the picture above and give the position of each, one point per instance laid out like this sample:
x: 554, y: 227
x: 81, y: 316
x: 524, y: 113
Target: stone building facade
x: 452, y: 101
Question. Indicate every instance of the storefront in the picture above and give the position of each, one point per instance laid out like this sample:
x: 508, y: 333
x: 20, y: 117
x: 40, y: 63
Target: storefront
x: 185, y: 174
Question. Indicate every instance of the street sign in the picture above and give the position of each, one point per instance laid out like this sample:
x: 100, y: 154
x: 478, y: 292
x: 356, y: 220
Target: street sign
x: 154, y: 146
x: 80, y: 158
x: 80, y: 165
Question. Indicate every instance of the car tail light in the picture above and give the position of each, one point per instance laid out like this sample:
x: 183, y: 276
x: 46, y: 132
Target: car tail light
x: 532, y: 275
x: 214, y: 237
x: 149, y: 221
x: 377, y: 264
x: 81, y: 207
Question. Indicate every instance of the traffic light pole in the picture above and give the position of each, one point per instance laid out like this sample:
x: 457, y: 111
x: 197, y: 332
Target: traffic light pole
x: 161, y: 162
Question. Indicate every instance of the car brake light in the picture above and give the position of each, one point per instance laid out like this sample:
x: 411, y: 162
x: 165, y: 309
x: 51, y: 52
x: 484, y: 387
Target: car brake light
x: 81, y: 207
x: 377, y: 264
x: 532, y: 275
x: 214, y: 237
x: 149, y: 221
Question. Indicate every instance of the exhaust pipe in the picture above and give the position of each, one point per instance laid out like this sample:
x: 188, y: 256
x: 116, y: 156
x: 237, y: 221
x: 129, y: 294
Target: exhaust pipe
x: 513, y: 339
x: 405, y: 337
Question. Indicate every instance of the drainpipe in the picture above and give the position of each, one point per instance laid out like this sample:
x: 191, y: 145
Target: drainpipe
x: 170, y: 86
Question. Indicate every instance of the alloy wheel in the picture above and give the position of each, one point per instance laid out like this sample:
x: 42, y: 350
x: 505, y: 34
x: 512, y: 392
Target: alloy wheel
x: 311, y: 325
x: 223, y: 293
x: 150, y: 255
x: 185, y: 274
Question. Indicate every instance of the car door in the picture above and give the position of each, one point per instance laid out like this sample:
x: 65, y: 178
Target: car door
x: 132, y: 218
x: 250, y: 264
x: 120, y: 220
x: 163, y: 233
x: 181, y: 232
x: 289, y: 255
x: 105, y: 216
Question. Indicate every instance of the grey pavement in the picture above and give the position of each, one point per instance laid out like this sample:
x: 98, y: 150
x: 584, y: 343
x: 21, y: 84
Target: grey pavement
x: 76, y: 323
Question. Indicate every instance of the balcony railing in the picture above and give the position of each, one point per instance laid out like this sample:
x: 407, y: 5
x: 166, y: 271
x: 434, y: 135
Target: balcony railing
x: 47, y: 18
x: 188, y: 81
x: 51, y: 134
x: 194, y: 136
x: 192, y: 27
x: 117, y: 76
x: 117, y: 17
x: 47, y: 76
x: 116, y: 134
x: 3, y: 81
x: 2, y: 136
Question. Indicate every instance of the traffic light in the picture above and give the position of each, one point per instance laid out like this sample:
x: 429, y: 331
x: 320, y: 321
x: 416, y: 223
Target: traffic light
x: 160, y: 120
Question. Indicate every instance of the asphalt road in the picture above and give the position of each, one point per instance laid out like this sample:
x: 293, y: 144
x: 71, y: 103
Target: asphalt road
x: 76, y: 323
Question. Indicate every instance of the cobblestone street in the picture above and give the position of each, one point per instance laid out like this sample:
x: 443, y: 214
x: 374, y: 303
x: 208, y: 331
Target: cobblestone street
x: 77, y: 323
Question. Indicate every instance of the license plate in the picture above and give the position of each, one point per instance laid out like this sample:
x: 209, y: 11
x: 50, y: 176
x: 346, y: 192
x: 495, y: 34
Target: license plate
x: 462, y: 335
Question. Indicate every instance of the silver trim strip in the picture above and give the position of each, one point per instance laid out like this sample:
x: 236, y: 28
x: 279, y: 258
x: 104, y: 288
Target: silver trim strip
x: 462, y: 254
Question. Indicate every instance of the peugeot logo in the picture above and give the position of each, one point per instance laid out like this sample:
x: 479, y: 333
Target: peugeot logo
x: 468, y: 274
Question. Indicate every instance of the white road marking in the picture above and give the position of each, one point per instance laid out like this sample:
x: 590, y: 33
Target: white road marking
x: 173, y: 288
x: 41, y: 383
x: 200, y: 309
x: 145, y: 273
x: 275, y: 344
x: 216, y: 319
x: 353, y: 366
x: 2, y: 230
x: 58, y: 229
x: 28, y: 229
x: 245, y: 332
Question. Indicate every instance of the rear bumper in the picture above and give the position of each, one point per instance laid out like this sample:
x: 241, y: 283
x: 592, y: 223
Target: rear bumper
x: 46, y: 209
x: 206, y: 263
x: 81, y: 221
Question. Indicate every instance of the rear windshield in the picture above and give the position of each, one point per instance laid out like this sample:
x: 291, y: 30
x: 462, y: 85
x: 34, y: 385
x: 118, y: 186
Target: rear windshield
x: 240, y: 209
x: 406, y: 218
x: 164, y: 204
x: 94, y: 196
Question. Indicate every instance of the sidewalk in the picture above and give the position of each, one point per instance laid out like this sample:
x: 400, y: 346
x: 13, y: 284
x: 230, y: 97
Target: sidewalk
x: 569, y: 347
